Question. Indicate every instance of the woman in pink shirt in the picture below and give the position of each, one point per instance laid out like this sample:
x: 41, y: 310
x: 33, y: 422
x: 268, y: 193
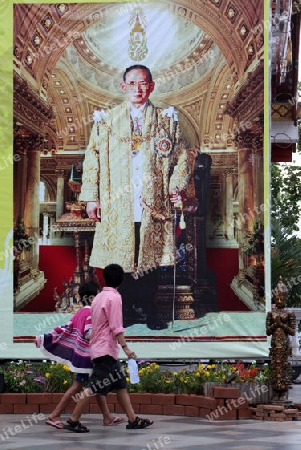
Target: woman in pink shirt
x: 106, y: 338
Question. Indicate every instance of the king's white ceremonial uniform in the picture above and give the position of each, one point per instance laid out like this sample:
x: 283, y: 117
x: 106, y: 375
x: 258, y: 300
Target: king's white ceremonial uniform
x: 133, y: 160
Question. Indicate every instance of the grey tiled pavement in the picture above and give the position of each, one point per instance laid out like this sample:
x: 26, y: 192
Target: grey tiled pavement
x: 167, y: 433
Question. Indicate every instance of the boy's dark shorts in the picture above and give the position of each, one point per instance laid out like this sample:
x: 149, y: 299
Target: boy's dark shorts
x: 107, y: 375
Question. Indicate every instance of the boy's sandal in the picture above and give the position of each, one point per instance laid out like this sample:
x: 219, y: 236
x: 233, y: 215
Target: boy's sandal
x: 139, y: 423
x: 76, y: 427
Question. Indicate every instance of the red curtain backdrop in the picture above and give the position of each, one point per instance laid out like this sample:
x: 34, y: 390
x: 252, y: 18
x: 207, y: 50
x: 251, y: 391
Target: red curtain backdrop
x: 224, y: 261
x: 58, y: 262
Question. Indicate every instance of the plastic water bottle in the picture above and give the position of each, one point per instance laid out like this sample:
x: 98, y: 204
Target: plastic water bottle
x: 133, y: 370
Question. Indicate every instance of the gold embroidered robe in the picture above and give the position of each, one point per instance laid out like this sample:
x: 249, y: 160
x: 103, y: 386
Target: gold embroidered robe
x: 107, y: 178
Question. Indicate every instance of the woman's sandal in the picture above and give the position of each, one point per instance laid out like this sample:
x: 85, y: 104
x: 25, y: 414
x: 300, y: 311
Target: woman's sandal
x: 76, y: 427
x: 139, y: 423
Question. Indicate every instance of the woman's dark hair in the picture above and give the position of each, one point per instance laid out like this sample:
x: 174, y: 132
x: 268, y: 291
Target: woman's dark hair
x: 113, y: 275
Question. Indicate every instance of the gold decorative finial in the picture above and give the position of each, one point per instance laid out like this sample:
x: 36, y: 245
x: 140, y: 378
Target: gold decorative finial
x: 137, y: 41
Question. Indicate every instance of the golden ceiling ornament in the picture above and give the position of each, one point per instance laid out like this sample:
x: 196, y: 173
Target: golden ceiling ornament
x: 137, y: 40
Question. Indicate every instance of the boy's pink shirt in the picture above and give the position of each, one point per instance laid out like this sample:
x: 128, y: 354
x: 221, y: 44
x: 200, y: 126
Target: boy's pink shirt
x: 106, y: 316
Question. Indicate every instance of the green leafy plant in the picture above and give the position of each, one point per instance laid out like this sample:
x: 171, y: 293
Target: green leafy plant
x: 58, y: 378
x: 22, y: 377
x: 191, y: 380
x: 286, y: 262
x: 54, y: 377
x: 286, y: 195
x: 27, y: 377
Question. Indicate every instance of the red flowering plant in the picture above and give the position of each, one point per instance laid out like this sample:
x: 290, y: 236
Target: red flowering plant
x: 246, y: 374
x: 224, y: 372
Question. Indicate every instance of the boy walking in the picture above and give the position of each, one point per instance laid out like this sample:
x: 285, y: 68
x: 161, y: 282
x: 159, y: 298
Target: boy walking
x: 106, y: 338
x: 69, y: 344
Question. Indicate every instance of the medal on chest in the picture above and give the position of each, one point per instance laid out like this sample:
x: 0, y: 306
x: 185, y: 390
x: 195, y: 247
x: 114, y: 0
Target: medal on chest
x: 163, y: 145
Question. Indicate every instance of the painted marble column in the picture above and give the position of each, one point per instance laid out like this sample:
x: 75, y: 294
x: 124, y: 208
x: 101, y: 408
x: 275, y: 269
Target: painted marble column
x: 60, y: 188
x: 45, y: 227
x: 20, y: 180
x: 259, y: 200
x: 32, y: 205
x: 229, y: 205
x: 51, y: 232
x: 245, y: 218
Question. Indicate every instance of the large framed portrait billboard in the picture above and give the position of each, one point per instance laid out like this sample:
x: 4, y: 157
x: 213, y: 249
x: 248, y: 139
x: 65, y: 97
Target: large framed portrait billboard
x: 134, y: 133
